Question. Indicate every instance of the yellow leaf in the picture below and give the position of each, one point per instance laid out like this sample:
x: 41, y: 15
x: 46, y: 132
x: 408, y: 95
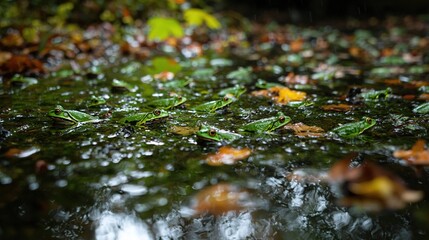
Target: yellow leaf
x: 197, y: 17
x: 286, y: 95
x: 161, y: 28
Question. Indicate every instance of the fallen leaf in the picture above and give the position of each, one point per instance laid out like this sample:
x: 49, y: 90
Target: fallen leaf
x: 337, y: 107
x: 302, y: 130
x: 4, y: 57
x: 418, y: 155
x: 12, y: 40
x: 21, y: 153
x: 392, y: 82
x: 184, y: 131
x: 293, y: 78
x: 371, y: 187
x: 219, y: 199
x: 296, y: 45
x: 164, y: 76
x: 21, y: 64
x: 285, y: 95
x: 227, y: 155
x: 424, y: 96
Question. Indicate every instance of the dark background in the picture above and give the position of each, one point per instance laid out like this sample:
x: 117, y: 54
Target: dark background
x: 317, y: 10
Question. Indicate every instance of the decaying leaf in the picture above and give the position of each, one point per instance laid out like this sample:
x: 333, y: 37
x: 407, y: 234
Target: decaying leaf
x: 227, y: 155
x: 22, y: 64
x: 184, y: 131
x: 281, y: 95
x: 418, y: 155
x: 371, y: 187
x: 302, y: 130
x: 341, y: 107
x: 219, y: 199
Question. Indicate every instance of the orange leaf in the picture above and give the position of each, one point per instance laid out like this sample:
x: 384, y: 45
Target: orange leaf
x: 227, y: 155
x: 418, y: 155
x: 219, y: 199
x: 164, y: 76
x: 296, y: 45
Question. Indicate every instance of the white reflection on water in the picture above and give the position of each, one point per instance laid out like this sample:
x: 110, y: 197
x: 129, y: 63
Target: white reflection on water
x: 121, y: 226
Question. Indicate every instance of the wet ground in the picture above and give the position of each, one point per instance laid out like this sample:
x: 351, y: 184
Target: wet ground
x: 110, y: 180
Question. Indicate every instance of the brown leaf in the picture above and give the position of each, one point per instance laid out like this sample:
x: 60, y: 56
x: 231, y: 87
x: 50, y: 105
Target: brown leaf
x: 12, y: 40
x: 227, y: 155
x: 392, y: 81
x: 219, y: 199
x: 418, y: 155
x: 4, y: 57
x: 22, y: 64
x: 424, y: 96
x: 337, y: 107
x: 293, y: 78
x: 183, y: 130
x: 302, y: 130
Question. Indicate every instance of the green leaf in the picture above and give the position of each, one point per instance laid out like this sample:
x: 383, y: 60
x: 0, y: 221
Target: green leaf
x: 197, y: 17
x: 161, y: 28
x: 163, y: 64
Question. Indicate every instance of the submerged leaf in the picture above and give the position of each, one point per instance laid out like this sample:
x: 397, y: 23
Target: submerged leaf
x: 227, y: 155
x: 418, y: 155
x: 371, y: 187
x: 164, y: 65
x: 219, y: 199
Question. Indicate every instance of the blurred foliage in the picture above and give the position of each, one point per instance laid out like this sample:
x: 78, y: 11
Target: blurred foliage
x: 57, y: 12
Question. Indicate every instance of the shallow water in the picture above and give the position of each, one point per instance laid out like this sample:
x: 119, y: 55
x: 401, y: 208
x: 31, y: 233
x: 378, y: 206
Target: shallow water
x: 112, y: 181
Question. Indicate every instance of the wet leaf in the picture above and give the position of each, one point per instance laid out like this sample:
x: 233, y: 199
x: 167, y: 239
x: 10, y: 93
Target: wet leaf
x: 227, y: 156
x: 12, y: 40
x: 22, y: 64
x: 197, y: 17
x: 371, y: 187
x: 219, y: 199
x: 302, y: 130
x: 337, y: 107
x: 183, y: 130
x: 161, y: 28
x: 4, y: 57
x: 241, y: 74
x: 418, y: 155
x: 285, y: 95
x: 164, y: 65
x: 21, y: 153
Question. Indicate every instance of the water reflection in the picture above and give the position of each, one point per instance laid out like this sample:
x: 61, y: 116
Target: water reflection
x: 121, y: 226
